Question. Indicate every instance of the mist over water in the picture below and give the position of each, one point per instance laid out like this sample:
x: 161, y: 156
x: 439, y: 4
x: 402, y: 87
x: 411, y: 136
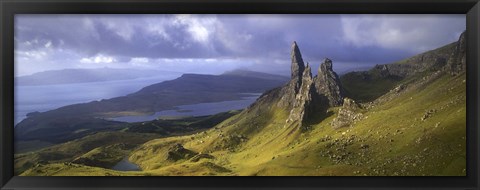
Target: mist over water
x: 48, y: 97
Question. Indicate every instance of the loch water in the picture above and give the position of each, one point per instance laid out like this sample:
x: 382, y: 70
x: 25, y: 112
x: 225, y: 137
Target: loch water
x: 42, y: 98
x: 194, y: 110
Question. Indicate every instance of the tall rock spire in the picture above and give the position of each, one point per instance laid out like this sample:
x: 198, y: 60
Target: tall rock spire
x: 297, y: 62
x: 303, y: 100
x: 293, y: 87
x: 328, y: 84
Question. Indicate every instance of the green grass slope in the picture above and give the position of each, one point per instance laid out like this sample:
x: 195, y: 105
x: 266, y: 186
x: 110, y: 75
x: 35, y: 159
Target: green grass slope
x: 366, y: 87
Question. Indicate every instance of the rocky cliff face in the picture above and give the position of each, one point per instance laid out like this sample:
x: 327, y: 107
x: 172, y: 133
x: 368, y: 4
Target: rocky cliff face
x: 457, y: 62
x: 452, y: 57
x: 429, y: 61
x: 366, y: 86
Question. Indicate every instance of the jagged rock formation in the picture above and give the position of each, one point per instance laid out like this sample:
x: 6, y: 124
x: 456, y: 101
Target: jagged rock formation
x: 457, y: 62
x: 297, y: 65
x: 348, y: 114
x: 303, y: 99
x: 306, y: 96
x: 289, y: 92
x: 328, y: 84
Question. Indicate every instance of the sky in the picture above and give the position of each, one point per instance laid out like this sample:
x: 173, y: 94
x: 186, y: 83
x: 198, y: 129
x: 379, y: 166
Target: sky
x: 213, y: 44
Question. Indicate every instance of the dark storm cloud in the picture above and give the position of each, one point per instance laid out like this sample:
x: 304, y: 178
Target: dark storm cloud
x: 91, y: 36
x: 369, y: 39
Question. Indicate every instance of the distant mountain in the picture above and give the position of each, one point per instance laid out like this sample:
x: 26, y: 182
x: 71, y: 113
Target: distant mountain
x: 246, y: 82
x: 247, y: 73
x: 357, y: 69
x: 71, y: 76
x: 59, y: 125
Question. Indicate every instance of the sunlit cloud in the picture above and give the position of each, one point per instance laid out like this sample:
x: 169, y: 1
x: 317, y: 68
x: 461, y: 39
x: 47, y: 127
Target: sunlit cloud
x: 98, y: 59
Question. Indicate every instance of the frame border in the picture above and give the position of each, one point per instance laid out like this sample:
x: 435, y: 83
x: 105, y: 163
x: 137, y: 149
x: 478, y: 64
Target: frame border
x: 8, y: 8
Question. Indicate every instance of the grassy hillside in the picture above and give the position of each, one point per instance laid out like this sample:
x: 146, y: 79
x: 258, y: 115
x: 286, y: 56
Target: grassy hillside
x: 418, y: 129
x: 367, y: 86
x: 178, y: 126
x: 105, y: 149
x: 68, y: 152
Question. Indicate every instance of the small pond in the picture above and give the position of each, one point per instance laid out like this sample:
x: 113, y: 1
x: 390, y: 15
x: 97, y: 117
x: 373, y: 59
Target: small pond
x: 126, y: 165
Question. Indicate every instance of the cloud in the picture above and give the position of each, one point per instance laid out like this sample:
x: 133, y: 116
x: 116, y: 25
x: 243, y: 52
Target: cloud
x: 416, y: 33
x: 98, y: 59
x: 260, y: 41
x: 198, y: 28
x: 140, y: 60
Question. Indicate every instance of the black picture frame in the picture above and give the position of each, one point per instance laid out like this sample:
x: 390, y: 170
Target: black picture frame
x: 8, y: 8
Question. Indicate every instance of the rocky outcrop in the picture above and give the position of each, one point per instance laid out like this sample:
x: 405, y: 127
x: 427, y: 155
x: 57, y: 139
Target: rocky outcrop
x: 178, y: 152
x: 451, y: 58
x: 432, y: 60
x: 328, y: 84
x: 348, y: 114
x: 308, y: 97
x: 457, y: 62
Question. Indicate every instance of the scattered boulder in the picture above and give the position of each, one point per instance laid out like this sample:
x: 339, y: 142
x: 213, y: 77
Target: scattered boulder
x: 428, y: 114
x: 399, y: 88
